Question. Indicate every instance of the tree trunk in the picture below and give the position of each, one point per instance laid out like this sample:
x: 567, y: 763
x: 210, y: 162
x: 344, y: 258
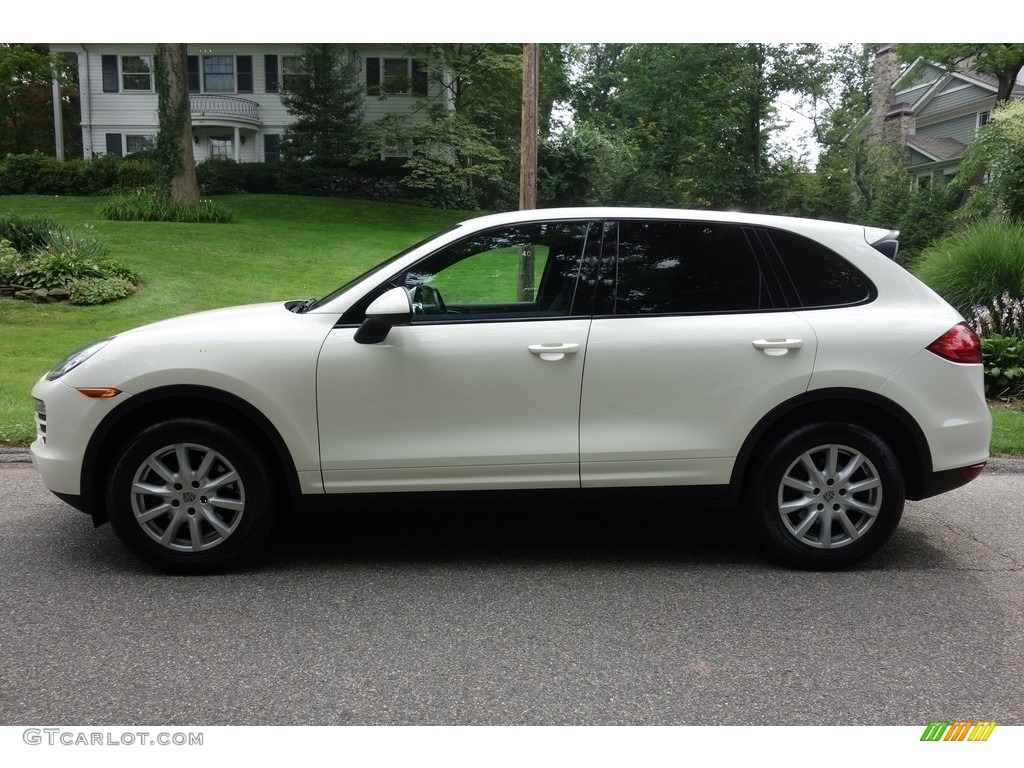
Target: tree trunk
x: 174, y: 142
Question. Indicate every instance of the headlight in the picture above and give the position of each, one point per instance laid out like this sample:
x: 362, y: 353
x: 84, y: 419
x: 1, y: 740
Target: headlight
x: 75, y: 359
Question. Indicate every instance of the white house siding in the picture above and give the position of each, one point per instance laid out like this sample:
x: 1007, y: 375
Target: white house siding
x: 135, y: 113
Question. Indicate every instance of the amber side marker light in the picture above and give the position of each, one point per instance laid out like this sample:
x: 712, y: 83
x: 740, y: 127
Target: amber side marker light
x: 101, y: 393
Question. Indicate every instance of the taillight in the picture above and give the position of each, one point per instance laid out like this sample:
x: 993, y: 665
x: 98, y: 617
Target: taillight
x: 960, y: 344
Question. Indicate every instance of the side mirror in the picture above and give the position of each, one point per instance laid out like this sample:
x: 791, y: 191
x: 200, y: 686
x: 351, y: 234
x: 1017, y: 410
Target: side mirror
x: 389, y: 309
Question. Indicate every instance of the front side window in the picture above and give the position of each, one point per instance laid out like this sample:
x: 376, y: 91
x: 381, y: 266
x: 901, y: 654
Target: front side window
x: 522, y: 271
x: 219, y: 74
x: 670, y: 267
x: 137, y: 73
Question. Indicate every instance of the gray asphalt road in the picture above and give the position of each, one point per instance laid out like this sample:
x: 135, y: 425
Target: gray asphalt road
x: 537, y: 617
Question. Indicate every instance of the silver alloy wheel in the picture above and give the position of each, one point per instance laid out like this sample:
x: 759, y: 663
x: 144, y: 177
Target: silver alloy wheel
x: 830, y: 496
x: 187, y: 497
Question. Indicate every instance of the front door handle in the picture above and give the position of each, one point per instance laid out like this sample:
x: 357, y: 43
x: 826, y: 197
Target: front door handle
x: 776, y: 347
x: 555, y: 351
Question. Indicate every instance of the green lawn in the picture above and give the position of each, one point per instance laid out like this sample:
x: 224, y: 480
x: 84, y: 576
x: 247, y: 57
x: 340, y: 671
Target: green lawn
x: 278, y: 247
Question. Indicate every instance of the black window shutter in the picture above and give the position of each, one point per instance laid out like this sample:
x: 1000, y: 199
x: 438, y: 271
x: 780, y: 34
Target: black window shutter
x: 114, y: 144
x: 373, y: 74
x: 110, y: 74
x: 419, y: 77
x: 193, y: 74
x: 270, y: 73
x: 244, y: 66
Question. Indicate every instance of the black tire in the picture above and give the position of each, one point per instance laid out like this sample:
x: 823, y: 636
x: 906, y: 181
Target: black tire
x: 825, y: 496
x: 211, y: 499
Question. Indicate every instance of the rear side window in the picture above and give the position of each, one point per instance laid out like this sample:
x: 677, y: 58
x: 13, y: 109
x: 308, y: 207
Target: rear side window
x: 685, y: 267
x: 817, y: 276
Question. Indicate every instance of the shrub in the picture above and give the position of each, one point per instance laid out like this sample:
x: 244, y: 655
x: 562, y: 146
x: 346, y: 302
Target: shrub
x: 26, y: 233
x: 67, y: 259
x: 220, y: 176
x: 100, y: 290
x: 147, y: 205
x: 1003, y: 359
x: 134, y: 173
x: 1002, y: 316
x: 969, y: 267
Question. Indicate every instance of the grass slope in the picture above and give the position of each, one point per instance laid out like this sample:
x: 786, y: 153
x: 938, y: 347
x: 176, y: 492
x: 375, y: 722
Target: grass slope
x: 278, y: 247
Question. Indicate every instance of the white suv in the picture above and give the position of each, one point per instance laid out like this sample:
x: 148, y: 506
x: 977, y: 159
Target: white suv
x: 789, y: 367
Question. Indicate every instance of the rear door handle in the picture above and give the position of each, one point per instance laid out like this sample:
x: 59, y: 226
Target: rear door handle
x: 555, y: 351
x: 776, y: 347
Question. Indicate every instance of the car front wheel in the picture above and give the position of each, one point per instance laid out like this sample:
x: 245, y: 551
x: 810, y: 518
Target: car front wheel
x: 190, y: 496
x: 826, y: 495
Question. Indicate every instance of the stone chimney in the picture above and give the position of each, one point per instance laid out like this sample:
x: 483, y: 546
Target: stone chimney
x: 890, y: 122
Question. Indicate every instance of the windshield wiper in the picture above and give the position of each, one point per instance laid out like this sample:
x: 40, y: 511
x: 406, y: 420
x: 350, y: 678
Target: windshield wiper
x: 302, y: 306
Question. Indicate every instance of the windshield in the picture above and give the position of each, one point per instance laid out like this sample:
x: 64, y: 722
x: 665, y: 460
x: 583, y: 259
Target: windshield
x: 340, y: 290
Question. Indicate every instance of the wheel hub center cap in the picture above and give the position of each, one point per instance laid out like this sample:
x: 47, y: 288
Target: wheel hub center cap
x: 188, y: 497
x: 830, y: 495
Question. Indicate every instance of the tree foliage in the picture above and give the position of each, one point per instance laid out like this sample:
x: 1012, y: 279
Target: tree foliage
x: 1003, y: 60
x: 701, y: 116
x: 326, y: 102
x: 998, y: 149
x: 26, y: 98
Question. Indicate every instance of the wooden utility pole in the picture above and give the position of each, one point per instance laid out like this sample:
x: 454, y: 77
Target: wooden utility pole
x: 528, y: 164
x: 528, y: 142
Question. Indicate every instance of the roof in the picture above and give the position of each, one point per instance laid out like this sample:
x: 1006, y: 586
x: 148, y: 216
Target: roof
x: 936, y: 147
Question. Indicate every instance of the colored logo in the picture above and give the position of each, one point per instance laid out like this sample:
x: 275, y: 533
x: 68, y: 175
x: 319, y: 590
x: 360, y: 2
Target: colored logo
x: 958, y: 730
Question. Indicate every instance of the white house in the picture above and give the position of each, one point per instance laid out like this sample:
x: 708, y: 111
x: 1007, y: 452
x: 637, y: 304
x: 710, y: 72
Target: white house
x: 931, y: 111
x: 235, y: 94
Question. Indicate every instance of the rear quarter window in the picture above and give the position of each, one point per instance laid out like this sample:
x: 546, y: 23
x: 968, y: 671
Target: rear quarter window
x: 818, y: 277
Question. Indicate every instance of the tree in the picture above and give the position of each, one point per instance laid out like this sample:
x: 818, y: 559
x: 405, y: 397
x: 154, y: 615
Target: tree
x: 1003, y: 60
x: 326, y: 99
x: 998, y: 149
x: 174, y: 138
x: 26, y: 97
x: 701, y: 115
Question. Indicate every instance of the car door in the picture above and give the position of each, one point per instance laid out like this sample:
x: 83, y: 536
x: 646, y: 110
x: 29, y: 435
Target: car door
x: 687, y: 352
x: 481, y: 388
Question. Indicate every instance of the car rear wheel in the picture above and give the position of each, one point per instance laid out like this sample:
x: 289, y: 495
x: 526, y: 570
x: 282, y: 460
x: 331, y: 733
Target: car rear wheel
x: 826, y: 495
x: 190, y: 496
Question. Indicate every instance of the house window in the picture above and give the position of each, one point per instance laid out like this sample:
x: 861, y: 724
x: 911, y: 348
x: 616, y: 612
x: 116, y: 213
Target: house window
x: 219, y: 74
x: 137, y: 73
x: 139, y: 143
x: 293, y: 73
x: 222, y: 146
x: 984, y: 118
x: 393, y: 76
x: 397, y: 148
x: 271, y: 148
x: 114, y: 146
